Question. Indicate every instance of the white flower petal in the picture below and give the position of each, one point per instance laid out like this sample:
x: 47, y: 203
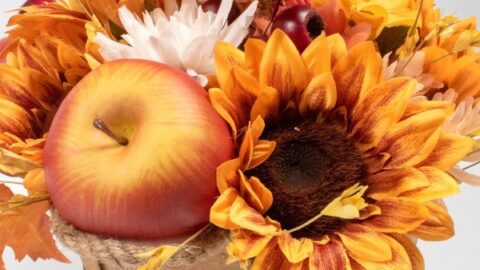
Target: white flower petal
x: 184, y: 39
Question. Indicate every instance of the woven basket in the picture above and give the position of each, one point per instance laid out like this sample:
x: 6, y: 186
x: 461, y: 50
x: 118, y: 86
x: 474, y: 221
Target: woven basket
x: 100, y: 253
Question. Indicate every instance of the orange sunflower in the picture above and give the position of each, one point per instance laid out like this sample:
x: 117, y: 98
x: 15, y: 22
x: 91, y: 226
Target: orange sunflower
x: 336, y: 167
x: 47, y: 54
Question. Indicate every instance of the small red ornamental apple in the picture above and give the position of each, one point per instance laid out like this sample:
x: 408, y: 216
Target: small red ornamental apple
x: 214, y: 5
x: 133, y: 150
x: 301, y: 23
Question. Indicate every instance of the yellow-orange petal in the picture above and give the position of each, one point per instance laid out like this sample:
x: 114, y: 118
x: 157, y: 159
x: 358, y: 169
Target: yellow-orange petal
x: 15, y: 165
x: 254, y: 49
x: 359, y: 70
x: 226, y: 108
x: 392, y: 183
x: 365, y: 243
x: 34, y: 181
x: 226, y: 57
x: 251, y: 137
x: 241, y: 87
x: 317, y: 65
x: 282, y: 67
x: 15, y: 119
x: 245, y: 245
x: 264, y: 194
x: 438, y: 227
x: 244, y: 216
x: 398, y: 216
x: 295, y: 250
x: 261, y: 152
x: 438, y: 62
x: 267, y: 105
x: 262, y: 200
x: 320, y: 95
x: 465, y: 78
x: 329, y: 256
x: 410, y: 141
x: 220, y: 211
x: 227, y: 175
x: 450, y: 150
x: 272, y: 258
x: 376, y: 163
x: 379, y: 108
x: 441, y: 185
x: 419, y: 106
x: 413, y: 252
x: 369, y: 211
x: 337, y: 47
x: 399, y: 261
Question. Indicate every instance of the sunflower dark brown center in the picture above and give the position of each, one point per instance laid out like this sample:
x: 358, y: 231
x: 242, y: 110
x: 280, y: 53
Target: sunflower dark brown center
x: 311, y: 166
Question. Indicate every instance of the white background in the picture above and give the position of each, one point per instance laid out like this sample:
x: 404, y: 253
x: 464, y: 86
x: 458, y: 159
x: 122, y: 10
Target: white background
x: 459, y: 253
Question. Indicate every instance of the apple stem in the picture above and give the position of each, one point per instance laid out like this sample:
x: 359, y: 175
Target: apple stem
x: 100, y: 125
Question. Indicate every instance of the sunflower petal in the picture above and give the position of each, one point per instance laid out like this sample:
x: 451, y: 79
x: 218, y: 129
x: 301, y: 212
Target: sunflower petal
x: 398, y: 216
x: 272, y: 258
x: 320, y: 95
x: 337, y: 47
x: 220, y: 211
x: 358, y: 71
x: 296, y: 250
x: 250, y: 140
x: 364, y: 243
x: 413, y: 252
x: 264, y: 194
x: 225, y: 107
x: 227, y: 175
x: 245, y: 245
x: 13, y: 164
x: 282, y: 67
x: 248, y: 218
x: 267, y: 105
x: 254, y: 49
x: 329, y: 256
x: 392, y: 183
x: 412, y: 140
x: 379, y: 108
x: 399, y: 260
x: 441, y: 185
x: 226, y: 57
x: 34, y: 181
x: 261, y: 152
x: 262, y: 200
x: 317, y: 65
x: 438, y: 227
x: 450, y: 149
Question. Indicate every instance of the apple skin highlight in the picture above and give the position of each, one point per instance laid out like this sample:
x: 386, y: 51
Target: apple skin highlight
x: 159, y: 186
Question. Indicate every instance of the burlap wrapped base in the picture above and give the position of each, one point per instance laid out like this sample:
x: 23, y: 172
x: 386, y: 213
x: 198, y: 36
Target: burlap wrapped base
x: 100, y: 253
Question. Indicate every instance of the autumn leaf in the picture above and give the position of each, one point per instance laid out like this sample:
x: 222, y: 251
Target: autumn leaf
x: 25, y: 227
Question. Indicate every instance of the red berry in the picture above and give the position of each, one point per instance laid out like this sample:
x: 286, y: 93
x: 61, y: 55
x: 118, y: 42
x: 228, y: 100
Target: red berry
x: 214, y: 5
x: 301, y: 23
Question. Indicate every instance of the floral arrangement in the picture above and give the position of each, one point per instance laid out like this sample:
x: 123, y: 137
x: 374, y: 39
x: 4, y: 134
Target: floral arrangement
x: 317, y: 134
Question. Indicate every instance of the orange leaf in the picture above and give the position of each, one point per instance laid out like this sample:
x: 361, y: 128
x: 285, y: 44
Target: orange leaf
x: 26, y: 229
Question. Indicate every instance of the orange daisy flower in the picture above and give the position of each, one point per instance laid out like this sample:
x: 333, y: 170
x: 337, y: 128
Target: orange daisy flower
x: 336, y: 166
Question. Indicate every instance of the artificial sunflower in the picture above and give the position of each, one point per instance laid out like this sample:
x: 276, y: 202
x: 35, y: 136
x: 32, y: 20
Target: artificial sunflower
x: 45, y: 58
x: 336, y: 166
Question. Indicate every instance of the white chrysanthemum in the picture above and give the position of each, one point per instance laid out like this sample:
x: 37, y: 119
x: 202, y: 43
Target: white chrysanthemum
x: 184, y: 38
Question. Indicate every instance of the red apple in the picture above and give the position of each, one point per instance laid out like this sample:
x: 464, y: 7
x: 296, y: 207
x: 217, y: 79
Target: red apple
x: 133, y: 150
